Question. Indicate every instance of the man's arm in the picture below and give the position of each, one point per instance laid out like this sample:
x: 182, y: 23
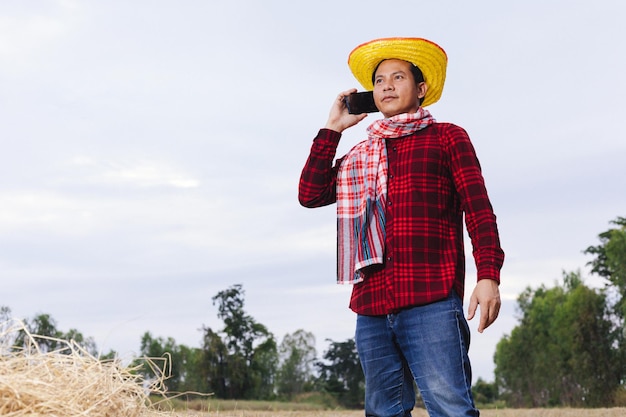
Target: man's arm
x: 318, y: 179
x: 481, y: 227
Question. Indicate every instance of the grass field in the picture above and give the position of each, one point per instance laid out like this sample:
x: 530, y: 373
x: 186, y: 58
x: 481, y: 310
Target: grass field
x: 556, y: 412
x: 224, y: 408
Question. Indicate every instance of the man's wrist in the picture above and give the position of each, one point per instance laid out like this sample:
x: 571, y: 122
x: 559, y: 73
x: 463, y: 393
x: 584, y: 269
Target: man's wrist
x: 334, y: 126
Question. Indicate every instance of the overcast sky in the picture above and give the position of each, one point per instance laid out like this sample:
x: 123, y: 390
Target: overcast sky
x: 151, y: 152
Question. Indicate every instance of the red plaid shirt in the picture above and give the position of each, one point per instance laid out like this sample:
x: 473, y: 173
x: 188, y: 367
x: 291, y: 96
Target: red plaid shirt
x: 434, y: 178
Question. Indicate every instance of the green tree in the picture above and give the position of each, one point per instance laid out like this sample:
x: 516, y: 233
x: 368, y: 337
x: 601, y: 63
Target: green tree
x: 485, y: 392
x: 41, y: 332
x: 161, y: 361
x: 591, y: 372
x: 563, y: 351
x: 263, y: 368
x: 177, y: 366
x: 610, y: 261
x: 214, y: 363
x: 297, y: 355
x: 341, y: 375
x: 87, y: 343
x: 191, y: 379
x: 44, y: 329
x: 244, y: 339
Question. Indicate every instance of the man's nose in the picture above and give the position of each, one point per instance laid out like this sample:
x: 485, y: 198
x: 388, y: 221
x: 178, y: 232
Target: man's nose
x: 387, y: 86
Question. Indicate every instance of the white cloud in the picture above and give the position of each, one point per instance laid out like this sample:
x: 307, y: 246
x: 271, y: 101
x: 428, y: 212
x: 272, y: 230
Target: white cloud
x: 41, y: 211
x: 147, y: 174
x: 141, y: 173
x: 27, y: 34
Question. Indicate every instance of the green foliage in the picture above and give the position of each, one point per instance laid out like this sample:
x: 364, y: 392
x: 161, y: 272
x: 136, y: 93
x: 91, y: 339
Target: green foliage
x: 341, y: 374
x: 48, y: 337
x: 251, y: 357
x: 610, y: 264
x: 563, y: 351
x: 164, y: 354
x: 610, y: 261
x: 239, y: 365
x: 41, y: 325
x: 485, y: 392
x: 213, y: 368
x: 190, y: 361
x: 178, y: 363
x: 43, y: 328
x: 297, y: 355
x: 569, y: 348
x: 263, y: 368
x: 601, y: 264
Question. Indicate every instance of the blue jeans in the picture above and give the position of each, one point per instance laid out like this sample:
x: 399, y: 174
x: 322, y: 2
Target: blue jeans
x: 427, y: 344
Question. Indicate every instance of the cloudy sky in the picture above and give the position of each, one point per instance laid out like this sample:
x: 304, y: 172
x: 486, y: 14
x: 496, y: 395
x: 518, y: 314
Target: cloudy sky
x: 151, y: 152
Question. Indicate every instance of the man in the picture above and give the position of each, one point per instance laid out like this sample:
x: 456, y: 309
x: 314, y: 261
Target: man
x: 401, y: 197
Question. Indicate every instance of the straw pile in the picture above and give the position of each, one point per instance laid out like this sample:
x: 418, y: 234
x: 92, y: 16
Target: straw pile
x: 66, y: 382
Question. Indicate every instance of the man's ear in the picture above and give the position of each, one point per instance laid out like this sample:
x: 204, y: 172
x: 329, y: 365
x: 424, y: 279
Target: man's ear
x: 421, y: 90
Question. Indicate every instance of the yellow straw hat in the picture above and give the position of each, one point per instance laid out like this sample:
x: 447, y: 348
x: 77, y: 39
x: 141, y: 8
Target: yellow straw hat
x: 428, y: 56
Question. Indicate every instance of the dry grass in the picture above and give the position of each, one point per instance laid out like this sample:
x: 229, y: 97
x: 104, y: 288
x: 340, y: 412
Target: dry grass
x: 555, y: 412
x: 66, y: 382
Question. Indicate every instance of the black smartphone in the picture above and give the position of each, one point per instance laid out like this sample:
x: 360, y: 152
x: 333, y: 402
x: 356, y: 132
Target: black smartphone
x: 361, y: 102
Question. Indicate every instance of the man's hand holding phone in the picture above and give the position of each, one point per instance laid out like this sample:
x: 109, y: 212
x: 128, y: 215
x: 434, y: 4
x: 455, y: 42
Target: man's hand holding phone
x: 340, y: 118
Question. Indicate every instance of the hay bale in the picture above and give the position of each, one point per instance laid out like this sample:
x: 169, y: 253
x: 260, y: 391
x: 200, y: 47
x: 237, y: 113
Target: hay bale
x: 67, y: 382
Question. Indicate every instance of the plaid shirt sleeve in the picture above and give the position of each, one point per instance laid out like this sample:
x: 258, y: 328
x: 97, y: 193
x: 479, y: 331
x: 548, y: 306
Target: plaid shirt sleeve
x: 480, y: 219
x: 318, y: 180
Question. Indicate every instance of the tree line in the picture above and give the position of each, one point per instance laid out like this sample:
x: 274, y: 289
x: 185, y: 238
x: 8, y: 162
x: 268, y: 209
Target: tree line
x: 568, y: 348
x: 242, y: 360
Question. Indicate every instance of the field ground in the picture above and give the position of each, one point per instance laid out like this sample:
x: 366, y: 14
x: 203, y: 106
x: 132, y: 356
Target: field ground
x: 232, y: 408
x: 552, y: 412
x: 555, y: 412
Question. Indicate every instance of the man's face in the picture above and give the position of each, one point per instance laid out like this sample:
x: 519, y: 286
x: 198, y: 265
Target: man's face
x: 395, y: 91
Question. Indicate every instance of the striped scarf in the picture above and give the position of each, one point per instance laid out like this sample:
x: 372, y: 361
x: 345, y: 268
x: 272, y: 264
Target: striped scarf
x: 362, y: 195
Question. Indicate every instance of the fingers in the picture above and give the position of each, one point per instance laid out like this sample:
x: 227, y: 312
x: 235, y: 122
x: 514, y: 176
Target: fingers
x: 347, y: 93
x: 339, y: 119
x: 341, y: 97
x: 484, y: 319
x: 488, y: 314
x: 487, y: 295
x: 472, y: 308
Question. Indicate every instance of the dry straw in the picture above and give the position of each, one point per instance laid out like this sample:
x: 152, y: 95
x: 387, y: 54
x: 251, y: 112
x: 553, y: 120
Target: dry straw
x: 68, y: 381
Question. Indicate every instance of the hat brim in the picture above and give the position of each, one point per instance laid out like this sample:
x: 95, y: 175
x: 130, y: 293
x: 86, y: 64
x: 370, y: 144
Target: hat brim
x: 428, y: 56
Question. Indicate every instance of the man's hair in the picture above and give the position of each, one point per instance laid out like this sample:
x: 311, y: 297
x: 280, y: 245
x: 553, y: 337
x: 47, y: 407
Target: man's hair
x: 417, y: 76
